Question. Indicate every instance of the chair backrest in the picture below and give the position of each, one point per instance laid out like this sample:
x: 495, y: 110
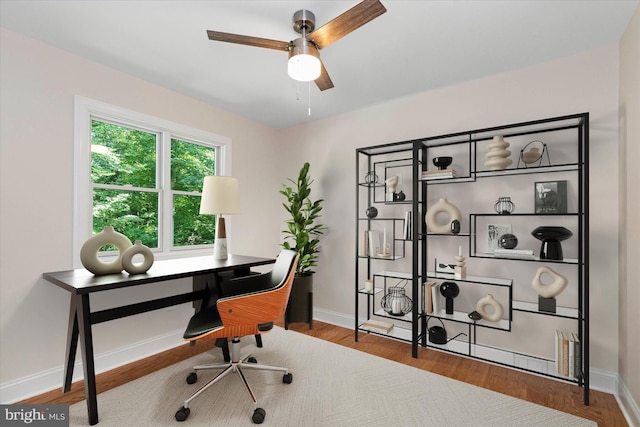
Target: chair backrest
x: 265, y: 306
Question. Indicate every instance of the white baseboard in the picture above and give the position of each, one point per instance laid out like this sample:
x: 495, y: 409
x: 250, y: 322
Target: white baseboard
x: 51, y: 379
x: 629, y: 407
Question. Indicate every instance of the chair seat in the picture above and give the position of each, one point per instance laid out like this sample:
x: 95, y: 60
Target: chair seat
x: 203, y: 322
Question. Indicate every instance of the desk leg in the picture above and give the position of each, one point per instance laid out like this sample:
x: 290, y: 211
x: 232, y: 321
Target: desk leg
x: 86, y: 343
x: 72, y: 344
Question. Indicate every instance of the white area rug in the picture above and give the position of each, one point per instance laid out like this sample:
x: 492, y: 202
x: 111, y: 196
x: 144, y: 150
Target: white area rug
x: 332, y: 386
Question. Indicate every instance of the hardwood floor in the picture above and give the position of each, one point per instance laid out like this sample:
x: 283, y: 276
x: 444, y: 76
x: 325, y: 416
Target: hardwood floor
x: 553, y: 394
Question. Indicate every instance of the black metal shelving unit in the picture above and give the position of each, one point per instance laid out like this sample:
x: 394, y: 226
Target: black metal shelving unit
x: 414, y: 156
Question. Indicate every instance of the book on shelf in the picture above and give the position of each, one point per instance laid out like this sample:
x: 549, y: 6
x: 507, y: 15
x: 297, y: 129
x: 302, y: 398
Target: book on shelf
x: 439, y: 174
x: 568, y: 357
x: 364, y: 243
x: 571, y: 362
x: 577, y: 356
x: 565, y: 354
x: 429, y: 297
x: 514, y: 253
x: 377, y: 325
x: 373, y: 243
x: 408, y: 225
x: 435, y: 291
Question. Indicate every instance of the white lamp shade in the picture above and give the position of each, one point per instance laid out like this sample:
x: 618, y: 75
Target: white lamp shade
x: 219, y: 196
x: 304, y: 61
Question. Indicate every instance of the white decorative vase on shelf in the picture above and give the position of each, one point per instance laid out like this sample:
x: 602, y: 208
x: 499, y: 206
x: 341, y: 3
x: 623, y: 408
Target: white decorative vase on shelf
x: 442, y: 206
x: 137, y: 249
x: 90, y: 248
x: 497, y: 312
x: 498, y: 155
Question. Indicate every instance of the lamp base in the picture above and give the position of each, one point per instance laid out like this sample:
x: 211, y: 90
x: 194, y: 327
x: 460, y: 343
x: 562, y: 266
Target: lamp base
x: 220, y: 242
x: 220, y: 249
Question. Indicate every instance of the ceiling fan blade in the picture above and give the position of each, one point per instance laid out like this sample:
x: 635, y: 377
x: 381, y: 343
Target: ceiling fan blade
x: 349, y: 21
x: 324, y: 81
x: 247, y: 40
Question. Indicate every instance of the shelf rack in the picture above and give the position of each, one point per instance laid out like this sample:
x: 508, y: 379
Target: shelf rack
x: 413, y: 157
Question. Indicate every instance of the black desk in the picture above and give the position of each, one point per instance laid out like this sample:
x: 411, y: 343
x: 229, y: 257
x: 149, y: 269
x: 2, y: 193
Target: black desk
x: 81, y: 283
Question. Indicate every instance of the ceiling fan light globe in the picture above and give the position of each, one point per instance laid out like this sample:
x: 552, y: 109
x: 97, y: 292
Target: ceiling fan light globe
x: 304, y: 68
x: 304, y: 61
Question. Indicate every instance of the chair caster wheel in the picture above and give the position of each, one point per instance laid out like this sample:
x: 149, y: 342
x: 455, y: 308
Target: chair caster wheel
x: 258, y: 416
x: 192, y: 378
x: 252, y: 360
x: 182, y: 414
x: 287, y: 378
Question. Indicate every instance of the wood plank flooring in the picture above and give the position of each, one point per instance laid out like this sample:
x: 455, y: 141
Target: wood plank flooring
x: 553, y: 394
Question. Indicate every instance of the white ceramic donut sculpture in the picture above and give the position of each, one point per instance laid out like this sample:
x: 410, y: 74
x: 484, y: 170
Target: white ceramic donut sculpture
x: 442, y: 206
x: 552, y: 289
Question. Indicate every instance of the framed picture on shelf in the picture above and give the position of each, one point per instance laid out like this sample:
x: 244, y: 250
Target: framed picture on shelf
x: 550, y: 197
x: 494, y: 231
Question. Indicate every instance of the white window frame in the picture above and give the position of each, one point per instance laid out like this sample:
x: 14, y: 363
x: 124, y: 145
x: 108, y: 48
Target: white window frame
x: 86, y: 110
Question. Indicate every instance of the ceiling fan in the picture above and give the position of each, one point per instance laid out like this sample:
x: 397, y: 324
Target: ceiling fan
x: 304, y: 60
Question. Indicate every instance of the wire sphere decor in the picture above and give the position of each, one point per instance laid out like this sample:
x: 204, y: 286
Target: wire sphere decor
x: 504, y: 206
x: 396, y: 303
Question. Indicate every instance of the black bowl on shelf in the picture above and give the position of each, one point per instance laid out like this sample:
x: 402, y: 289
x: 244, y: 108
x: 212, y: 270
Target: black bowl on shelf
x: 551, y: 236
x: 442, y: 162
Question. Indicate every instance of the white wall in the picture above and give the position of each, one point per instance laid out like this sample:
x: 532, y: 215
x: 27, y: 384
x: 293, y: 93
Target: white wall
x: 583, y: 83
x: 36, y: 171
x: 629, y: 364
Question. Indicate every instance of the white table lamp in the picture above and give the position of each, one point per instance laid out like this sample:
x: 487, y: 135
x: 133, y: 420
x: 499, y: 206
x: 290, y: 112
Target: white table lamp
x: 220, y: 197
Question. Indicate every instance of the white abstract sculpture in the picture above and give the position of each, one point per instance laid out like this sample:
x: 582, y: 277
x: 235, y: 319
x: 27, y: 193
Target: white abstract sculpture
x: 552, y: 289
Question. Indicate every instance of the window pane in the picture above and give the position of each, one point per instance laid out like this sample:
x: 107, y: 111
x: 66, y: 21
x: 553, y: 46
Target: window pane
x: 121, y: 155
x: 189, y: 227
x: 190, y: 163
x: 132, y: 213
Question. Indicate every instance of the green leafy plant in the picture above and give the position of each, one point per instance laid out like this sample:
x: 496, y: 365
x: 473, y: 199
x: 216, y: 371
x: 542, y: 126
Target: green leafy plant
x: 302, y: 230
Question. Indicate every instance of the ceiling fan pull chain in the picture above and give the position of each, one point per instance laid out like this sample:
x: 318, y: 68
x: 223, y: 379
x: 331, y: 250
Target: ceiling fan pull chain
x: 309, y: 98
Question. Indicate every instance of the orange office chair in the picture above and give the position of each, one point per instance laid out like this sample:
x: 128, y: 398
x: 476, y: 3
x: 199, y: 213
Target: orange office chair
x: 258, y: 301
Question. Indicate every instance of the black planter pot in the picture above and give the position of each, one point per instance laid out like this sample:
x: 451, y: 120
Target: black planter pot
x: 300, y: 307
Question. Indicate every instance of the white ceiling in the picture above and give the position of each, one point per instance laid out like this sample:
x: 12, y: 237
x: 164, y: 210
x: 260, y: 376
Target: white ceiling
x: 415, y: 47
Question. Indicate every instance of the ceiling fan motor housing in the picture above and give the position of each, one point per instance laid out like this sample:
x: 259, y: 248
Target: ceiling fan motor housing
x: 304, y: 20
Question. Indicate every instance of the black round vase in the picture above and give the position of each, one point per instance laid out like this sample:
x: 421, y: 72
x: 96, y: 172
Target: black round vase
x: 449, y: 291
x: 551, y: 236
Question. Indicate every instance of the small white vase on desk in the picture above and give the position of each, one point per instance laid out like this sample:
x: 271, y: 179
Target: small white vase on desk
x: 137, y: 249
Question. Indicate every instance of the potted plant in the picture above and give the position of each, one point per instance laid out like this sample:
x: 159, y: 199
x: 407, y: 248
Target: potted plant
x: 302, y: 235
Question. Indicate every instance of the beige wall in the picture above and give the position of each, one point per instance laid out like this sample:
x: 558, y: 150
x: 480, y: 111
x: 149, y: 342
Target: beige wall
x: 629, y: 120
x: 586, y: 82
x: 36, y: 178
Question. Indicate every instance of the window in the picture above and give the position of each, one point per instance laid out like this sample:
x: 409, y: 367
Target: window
x: 143, y: 176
